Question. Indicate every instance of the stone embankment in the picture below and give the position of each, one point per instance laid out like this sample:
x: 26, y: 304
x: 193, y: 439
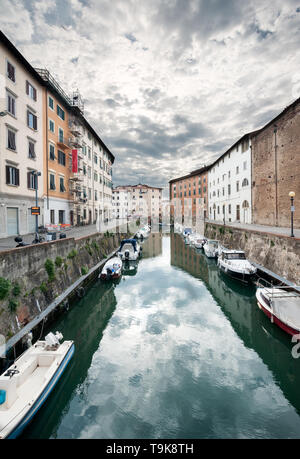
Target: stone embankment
x: 32, y: 277
x: 278, y: 253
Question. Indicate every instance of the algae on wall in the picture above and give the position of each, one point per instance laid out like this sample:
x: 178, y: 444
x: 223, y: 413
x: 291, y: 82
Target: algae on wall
x: 33, y: 276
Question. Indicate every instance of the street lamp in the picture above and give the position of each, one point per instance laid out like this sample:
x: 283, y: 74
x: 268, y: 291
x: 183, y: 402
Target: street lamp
x: 3, y: 113
x: 36, y: 174
x: 292, y: 195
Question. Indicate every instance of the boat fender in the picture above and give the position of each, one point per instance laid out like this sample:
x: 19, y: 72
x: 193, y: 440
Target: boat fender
x: 2, y: 396
x: 272, y: 318
x: 80, y: 292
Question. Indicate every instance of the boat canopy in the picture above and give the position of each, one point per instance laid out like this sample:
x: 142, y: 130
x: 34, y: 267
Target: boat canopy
x: 128, y: 241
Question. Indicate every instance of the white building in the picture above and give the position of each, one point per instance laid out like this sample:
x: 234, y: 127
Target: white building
x: 120, y: 202
x: 21, y: 141
x: 229, y: 182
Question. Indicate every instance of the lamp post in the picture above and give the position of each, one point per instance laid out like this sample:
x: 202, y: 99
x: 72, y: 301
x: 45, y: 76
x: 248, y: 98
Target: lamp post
x: 36, y: 174
x: 292, y: 195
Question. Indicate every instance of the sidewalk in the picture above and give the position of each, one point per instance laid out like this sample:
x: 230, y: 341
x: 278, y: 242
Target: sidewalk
x: 76, y: 232
x: 263, y: 228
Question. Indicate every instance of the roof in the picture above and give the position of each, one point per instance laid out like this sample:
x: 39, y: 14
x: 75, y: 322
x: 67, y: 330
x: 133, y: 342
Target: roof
x: 191, y: 174
x: 59, y: 92
x: 140, y: 185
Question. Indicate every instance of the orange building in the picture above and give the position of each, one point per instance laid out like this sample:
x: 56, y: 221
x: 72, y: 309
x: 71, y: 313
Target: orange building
x: 189, y: 196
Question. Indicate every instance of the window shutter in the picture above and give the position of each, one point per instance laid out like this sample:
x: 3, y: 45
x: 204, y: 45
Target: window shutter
x: 34, y: 93
x: 34, y: 122
x: 17, y: 177
x: 27, y: 117
x: 27, y: 87
x: 28, y: 179
x: 7, y: 175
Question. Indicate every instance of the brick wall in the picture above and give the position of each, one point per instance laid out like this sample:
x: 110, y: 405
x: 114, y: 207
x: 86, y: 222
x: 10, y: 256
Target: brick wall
x: 276, y: 169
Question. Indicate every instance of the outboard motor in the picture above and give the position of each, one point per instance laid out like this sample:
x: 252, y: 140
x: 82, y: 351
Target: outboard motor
x: 126, y: 254
x: 109, y: 273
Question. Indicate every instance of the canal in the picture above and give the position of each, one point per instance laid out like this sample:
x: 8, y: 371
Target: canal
x: 174, y: 350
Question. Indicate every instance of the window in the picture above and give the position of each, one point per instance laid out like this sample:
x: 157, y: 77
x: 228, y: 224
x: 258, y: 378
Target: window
x: 89, y: 172
x: 61, y: 216
x: 52, y: 217
x: 60, y: 112
x: 245, y: 165
x: 30, y: 90
x: 11, y: 139
x: 31, y: 149
x: 89, y: 153
x: 60, y: 135
x: 245, y: 182
x: 11, y: 104
x: 11, y: 72
x: 61, y: 185
x: 90, y: 193
x: 51, y: 151
x: 31, y: 120
x: 12, y: 176
x: 51, y: 103
x: 31, y: 181
x: 237, y: 169
x: 95, y: 177
x: 61, y: 157
x: 229, y: 208
x: 52, y: 182
x: 229, y: 189
x: 51, y: 126
x: 95, y: 159
x: 96, y: 195
x: 237, y: 186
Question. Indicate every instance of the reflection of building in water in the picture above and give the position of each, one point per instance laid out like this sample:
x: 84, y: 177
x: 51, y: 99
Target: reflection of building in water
x: 152, y: 246
x: 188, y: 259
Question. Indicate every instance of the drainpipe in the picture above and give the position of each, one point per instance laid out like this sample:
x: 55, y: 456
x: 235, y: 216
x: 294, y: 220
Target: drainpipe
x: 276, y: 191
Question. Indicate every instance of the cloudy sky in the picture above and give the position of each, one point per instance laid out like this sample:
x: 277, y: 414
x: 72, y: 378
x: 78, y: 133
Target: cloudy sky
x: 169, y: 85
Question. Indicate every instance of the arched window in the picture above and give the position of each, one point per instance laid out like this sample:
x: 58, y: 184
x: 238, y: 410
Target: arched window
x: 245, y: 204
x: 245, y: 182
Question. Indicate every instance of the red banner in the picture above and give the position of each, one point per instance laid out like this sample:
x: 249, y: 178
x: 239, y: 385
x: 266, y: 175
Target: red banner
x: 74, y: 161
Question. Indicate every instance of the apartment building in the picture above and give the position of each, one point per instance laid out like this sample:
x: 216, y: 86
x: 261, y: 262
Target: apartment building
x: 189, y: 196
x: 21, y: 141
x: 229, y: 179
x: 120, y: 202
x: 138, y: 201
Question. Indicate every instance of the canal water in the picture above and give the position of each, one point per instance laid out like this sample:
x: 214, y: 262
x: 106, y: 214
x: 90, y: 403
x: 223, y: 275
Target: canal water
x: 174, y: 350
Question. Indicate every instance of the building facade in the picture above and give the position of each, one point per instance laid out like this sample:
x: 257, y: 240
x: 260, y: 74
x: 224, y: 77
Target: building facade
x: 21, y: 142
x: 189, y: 196
x: 229, y: 184
x: 138, y: 201
x: 120, y: 202
x: 276, y: 169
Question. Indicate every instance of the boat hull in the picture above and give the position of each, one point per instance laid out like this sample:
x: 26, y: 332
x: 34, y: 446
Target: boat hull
x: 243, y: 277
x: 16, y: 432
x: 274, y: 319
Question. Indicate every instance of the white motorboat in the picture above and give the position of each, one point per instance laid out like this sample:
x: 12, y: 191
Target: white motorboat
x: 144, y: 232
x: 129, y: 249
x: 112, y: 269
x: 235, y: 264
x: 26, y: 384
x: 282, y: 306
x: 211, y: 248
x: 199, y: 242
x: 186, y: 231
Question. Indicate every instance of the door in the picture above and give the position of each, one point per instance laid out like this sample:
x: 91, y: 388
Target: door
x: 238, y: 213
x: 12, y: 221
x: 31, y: 221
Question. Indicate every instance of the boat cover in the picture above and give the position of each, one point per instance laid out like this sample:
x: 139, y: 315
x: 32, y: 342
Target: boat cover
x: 128, y: 241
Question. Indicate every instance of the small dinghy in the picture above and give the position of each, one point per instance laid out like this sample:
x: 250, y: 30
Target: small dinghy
x: 234, y: 264
x: 112, y: 269
x: 282, y: 306
x: 211, y: 248
x: 129, y: 249
x: 26, y: 384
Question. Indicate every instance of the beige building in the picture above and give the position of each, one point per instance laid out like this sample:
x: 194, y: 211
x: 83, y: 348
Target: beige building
x: 138, y: 201
x: 21, y: 141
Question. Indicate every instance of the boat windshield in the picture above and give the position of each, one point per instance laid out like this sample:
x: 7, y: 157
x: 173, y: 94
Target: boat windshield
x: 235, y: 256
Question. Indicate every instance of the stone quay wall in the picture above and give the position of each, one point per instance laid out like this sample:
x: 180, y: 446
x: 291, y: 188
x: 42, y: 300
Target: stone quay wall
x: 278, y: 253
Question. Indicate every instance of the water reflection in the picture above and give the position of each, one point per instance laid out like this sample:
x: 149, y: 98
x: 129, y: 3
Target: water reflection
x: 238, y: 303
x: 152, y: 245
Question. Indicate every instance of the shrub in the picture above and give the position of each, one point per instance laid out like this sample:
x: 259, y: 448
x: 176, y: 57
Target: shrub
x: 95, y: 245
x: 50, y: 268
x: 72, y: 254
x: 59, y: 261
x: 84, y: 270
x: 43, y: 287
x: 88, y: 248
x: 16, y: 290
x: 4, y: 287
x: 13, y: 304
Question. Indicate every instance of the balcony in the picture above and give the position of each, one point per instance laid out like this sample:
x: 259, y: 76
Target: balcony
x: 75, y: 142
x: 75, y: 128
x: 63, y: 143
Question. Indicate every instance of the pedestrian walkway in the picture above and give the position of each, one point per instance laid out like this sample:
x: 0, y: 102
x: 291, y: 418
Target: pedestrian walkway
x: 76, y: 232
x: 262, y: 228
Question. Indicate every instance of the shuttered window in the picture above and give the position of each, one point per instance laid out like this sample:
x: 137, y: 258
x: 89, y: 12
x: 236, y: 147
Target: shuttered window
x: 31, y: 150
x: 11, y: 140
x: 31, y: 181
x: 61, y: 184
x: 30, y: 90
x: 31, y: 120
x: 11, y: 72
x: 60, y: 112
x: 12, y: 176
x: 11, y: 104
x: 52, y: 182
x: 51, y: 151
x: 61, y: 158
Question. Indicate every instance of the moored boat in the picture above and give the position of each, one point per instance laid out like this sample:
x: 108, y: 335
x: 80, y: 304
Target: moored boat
x: 129, y: 249
x: 234, y: 264
x: 211, y: 248
x: 26, y: 384
x: 112, y: 269
x: 282, y: 306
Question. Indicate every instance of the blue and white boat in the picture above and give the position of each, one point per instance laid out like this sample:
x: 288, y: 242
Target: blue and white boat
x: 25, y: 386
x: 129, y: 249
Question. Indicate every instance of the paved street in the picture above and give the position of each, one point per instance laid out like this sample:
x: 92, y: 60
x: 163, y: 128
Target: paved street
x: 262, y: 228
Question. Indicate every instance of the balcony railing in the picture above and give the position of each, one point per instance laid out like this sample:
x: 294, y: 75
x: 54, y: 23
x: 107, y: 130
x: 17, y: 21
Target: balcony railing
x: 63, y: 142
